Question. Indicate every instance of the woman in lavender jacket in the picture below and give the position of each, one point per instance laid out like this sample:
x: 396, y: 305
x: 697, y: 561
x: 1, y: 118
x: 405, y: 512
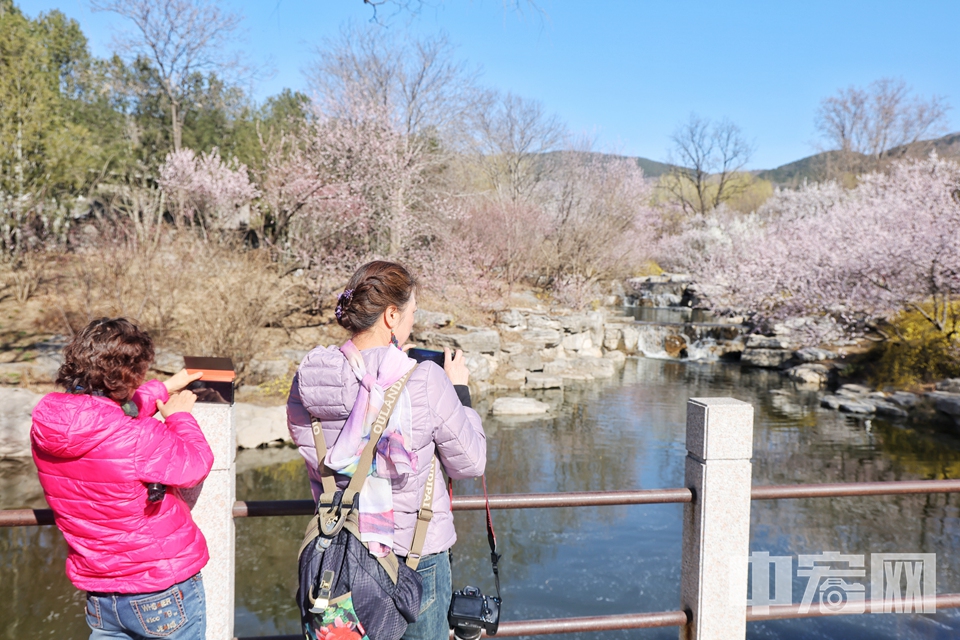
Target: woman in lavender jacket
x: 433, y: 417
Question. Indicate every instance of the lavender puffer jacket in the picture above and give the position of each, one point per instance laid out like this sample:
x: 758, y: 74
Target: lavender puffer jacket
x: 325, y: 387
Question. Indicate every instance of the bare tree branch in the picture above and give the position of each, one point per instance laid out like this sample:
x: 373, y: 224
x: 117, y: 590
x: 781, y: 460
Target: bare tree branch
x: 879, y: 122
x: 708, y: 156
x: 180, y: 37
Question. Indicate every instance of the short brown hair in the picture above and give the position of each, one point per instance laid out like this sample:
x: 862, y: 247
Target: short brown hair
x: 374, y: 287
x: 109, y: 356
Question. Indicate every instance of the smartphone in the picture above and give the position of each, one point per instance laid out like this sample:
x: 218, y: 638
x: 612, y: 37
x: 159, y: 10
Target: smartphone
x: 422, y: 355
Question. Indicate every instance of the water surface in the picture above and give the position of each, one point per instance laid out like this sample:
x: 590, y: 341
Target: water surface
x: 622, y: 434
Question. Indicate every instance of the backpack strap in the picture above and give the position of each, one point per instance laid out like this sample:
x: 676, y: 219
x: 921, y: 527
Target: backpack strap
x: 424, y: 515
x: 423, y: 518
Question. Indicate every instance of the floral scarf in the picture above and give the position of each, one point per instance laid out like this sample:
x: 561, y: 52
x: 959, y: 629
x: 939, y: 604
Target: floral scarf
x: 393, y: 457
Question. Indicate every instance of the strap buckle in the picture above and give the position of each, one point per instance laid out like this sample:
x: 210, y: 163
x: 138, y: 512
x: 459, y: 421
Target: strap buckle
x: 332, y: 519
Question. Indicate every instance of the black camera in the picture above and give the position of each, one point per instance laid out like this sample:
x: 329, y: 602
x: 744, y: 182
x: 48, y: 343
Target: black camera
x: 471, y: 612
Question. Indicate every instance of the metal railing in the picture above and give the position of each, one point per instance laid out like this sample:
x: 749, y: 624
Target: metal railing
x: 719, y: 438
x: 270, y: 508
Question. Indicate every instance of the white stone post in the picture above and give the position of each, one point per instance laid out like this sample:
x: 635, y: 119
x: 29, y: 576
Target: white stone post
x: 716, y: 525
x: 212, y: 505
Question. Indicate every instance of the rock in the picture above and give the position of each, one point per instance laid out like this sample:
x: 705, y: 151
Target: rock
x: 611, y: 338
x: 167, y: 361
x: 542, y: 338
x: 526, y: 361
x: 950, y: 385
x: 808, y: 374
x: 813, y: 354
x: 848, y: 405
x: 478, y: 366
x: 270, y: 369
x: 948, y: 403
x: 766, y: 342
x: 581, y: 368
x: 474, y: 341
x: 511, y: 348
x: 15, y: 421
x: 543, y: 381
x: 855, y: 389
x: 674, y: 345
x: 258, y: 426
x: 518, y: 407
x: 830, y: 402
x: 888, y: 409
x: 591, y: 323
x: 295, y: 356
x: 904, y: 399
x: 631, y: 337
x: 511, y: 319
x: 577, y: 341
x: 769, y: 358
x: 590, y: 352
x: 538, y: 321
x: 619, y: 358
x: 431, y: 319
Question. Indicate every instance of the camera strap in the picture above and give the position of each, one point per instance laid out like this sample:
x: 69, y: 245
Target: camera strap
x: 491, y: 537
x: 491, y: 534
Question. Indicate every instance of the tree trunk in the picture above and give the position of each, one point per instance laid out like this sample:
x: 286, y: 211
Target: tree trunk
x: 175, y: 121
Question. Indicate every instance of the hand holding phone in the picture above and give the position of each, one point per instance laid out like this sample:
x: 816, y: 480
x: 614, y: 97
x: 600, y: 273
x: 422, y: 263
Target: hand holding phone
x: 455, y: 366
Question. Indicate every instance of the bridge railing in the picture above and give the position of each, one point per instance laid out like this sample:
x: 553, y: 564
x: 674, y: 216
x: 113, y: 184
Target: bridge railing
x: 716, y: 519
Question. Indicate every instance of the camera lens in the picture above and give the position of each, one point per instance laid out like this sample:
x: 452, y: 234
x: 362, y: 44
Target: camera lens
x: 466, y: 633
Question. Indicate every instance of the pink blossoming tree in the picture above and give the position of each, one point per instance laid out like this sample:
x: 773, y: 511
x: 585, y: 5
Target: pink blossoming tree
x: 860, y: 256
x: 207, y: 191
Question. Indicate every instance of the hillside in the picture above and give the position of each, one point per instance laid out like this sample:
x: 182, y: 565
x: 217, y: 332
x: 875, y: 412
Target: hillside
x: 815, y: 167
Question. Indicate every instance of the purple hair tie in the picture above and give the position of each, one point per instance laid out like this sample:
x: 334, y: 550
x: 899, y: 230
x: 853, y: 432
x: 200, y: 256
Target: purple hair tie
x: 342, y: 301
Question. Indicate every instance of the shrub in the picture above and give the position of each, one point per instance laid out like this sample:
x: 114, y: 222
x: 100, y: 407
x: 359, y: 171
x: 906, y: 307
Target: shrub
x: 918, y: 353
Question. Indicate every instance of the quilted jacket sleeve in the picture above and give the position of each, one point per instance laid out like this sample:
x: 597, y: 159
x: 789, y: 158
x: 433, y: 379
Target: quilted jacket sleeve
x: 174, y: 453
x: 146, y: 397
x: 459, y: 436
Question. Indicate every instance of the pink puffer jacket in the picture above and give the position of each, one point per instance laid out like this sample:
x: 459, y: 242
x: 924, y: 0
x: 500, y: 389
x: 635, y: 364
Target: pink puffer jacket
x: 326, y: 387
x: 94, y: 462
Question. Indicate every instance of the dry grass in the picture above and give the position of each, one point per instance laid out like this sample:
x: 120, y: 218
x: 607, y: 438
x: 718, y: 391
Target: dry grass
x: 195, y: 297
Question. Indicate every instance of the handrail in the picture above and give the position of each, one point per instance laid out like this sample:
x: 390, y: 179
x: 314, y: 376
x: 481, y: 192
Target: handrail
x: 788, y: 611
x: 264, y: 508
x: 567, y: 625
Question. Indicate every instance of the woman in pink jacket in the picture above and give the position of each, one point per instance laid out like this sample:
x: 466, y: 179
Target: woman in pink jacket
x: 432, y: 417
x: 109, y: 471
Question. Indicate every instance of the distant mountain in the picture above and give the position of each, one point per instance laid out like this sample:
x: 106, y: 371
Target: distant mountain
x: 815, y: 167
x: 651, y: 168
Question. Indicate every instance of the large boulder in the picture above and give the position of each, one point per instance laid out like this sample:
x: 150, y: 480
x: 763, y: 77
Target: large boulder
x: 766, y: 342
x: 543, y: 381
x: 809, y: 375
x: 518, y: 407
x: 813, y: 354
x: 950, y: 385
x: 948, y: 403
x: 768, y: 358
x: 475, y: 340
x: 431, y: 319
x: 15, y: 408
x: 582, y: 368
x: 258, y: 426
x: 542, y: 338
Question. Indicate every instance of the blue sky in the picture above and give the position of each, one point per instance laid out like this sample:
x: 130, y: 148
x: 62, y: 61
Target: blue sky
x: 627, y: 72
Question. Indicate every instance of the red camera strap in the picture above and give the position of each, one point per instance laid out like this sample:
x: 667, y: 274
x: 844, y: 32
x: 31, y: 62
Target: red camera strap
x: 491, y: 534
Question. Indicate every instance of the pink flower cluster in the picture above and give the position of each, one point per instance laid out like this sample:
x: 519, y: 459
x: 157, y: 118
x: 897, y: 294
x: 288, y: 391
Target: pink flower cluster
x: 858, y: 256
x: 206, y: 190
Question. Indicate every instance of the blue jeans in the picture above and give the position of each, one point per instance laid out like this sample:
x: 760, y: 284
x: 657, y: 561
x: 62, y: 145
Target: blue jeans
x: 178, y: 613
x: 431, y: 624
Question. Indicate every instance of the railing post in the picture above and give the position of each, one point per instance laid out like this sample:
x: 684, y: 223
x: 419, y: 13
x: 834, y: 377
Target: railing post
x: 716, y: 525
x: 212, y: 505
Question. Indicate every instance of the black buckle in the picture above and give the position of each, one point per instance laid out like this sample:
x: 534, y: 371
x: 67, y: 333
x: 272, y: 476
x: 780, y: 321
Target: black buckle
x: 332, y: 516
